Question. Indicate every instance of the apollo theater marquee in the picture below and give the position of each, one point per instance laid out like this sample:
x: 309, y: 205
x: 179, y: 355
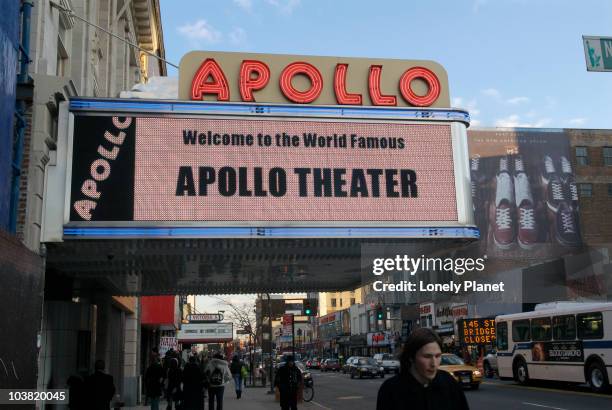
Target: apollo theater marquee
x: 260, y: 145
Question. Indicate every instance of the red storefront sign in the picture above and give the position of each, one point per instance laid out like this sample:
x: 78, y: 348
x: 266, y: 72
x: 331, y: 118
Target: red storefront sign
x: 158, y: 310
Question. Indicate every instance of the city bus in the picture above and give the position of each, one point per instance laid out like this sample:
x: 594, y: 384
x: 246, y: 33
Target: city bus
x: 560, y: 341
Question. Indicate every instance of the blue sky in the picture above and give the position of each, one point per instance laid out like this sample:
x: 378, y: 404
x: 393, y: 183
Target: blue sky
x: 510, y: 62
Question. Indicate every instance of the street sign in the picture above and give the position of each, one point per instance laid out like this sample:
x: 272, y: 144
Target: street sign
x: 287, y: 328
x: 598, y: 53
x: 205, y: 317
x: 479, y: 331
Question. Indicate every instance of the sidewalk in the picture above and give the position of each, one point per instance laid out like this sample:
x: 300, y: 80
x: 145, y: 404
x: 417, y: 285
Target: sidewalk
x: 252, y: 399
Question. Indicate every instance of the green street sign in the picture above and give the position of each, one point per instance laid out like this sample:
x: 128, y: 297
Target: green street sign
x: 598, y: 53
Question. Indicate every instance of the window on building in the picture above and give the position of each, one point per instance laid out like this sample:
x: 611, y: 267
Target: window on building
x: 340, y: 302
x: 585, y: 190
x: 333, y: 302
x: 607, y: 156
x: 353, y: 299
x: 582, y: 156
x: 61, y: 68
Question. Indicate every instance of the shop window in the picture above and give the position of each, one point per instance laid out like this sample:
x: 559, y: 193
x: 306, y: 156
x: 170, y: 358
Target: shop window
x: 333, y: 302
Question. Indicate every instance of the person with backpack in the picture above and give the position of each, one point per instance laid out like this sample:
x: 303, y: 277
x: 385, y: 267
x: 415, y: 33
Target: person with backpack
x: 218, y: 375
x: 236, y: 370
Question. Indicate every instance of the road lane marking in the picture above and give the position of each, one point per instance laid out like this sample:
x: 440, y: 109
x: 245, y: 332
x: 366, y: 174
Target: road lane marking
x: 580, y: 393
x: 320, y: 405
x: 349, y: 397
x: 542, y: 405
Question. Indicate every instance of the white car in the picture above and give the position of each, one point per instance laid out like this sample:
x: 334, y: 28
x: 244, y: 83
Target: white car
x: 388, y: 362
x: 489, y: 364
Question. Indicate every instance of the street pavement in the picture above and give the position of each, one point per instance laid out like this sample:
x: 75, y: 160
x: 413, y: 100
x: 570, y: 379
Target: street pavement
x: 337, y: 391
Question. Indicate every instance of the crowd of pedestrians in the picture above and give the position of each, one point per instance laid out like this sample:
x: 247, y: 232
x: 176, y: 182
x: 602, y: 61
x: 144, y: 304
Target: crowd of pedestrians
x: 185, y: 380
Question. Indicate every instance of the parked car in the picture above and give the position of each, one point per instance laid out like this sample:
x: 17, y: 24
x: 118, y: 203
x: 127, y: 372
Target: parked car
x: 366, y: 366
x: 332, y: 365
x: 313, y: 363
x: 347, y: 365
x: 466, y: 375
x: 388, y: 362
x: 489, y: 364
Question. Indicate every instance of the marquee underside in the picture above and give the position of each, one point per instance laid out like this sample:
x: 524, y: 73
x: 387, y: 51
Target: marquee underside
x: 224, y: 266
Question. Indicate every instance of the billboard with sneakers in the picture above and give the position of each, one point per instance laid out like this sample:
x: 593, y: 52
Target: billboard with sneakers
x: 524, y: 193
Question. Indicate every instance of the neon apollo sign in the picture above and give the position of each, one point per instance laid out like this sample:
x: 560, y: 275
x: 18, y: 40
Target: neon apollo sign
x: 254, y: 75
x: 296, y: 79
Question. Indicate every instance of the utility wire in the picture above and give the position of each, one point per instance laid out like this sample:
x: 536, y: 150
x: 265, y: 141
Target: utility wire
x: 72, y: 14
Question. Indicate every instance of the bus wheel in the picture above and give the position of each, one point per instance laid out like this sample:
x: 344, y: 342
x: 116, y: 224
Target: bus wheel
x: 597, y: 377
x: 520, y: 372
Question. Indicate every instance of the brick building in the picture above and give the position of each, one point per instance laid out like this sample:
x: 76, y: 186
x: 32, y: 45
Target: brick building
x: 592, y: 161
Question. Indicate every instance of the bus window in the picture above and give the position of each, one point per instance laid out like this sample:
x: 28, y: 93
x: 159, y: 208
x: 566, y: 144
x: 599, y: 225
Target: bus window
x: 520, y: 330
x: 541, y: 329
x: 564, y: 327
x: 590, y: 325
x: 502, y: 336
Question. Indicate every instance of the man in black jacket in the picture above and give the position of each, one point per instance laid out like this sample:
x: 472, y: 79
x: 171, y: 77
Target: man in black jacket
x: 288, y: 380
x: 420, y: 384
x: 100, y: 387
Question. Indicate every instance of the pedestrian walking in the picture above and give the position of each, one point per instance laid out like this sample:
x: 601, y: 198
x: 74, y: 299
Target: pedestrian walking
x: 174, y: 378
x: 420, y: 384
x: 193, y: 386
x: 236, y: 370
x: 244, y: 372
x: 288, y: 380
x: 154, y: 383
x: 100, y: 387
x: 77, y: 396
x: 218, y: 375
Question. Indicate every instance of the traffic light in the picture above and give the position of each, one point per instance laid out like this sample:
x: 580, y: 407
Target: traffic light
x: 309, y: 307
x: 380, y: 312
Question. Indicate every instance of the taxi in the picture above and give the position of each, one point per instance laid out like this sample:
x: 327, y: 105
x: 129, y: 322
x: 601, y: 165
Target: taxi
x: 466, y: 375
